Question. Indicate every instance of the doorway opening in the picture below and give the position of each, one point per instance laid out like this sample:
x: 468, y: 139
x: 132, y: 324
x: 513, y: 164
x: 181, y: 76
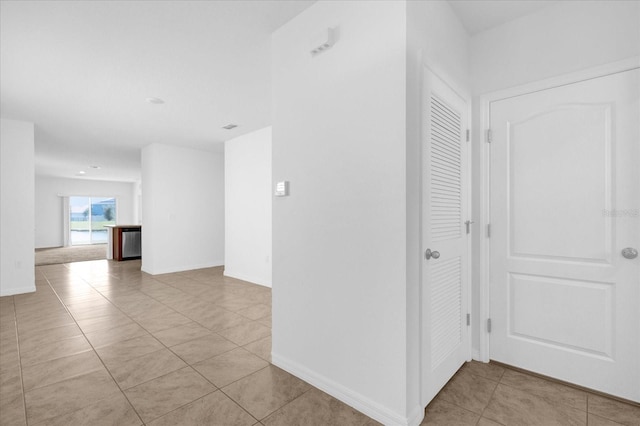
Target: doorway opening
x: 88, y: 218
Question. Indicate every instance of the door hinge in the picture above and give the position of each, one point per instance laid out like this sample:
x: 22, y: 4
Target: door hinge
x: 468, y: 135
x: 489, y: 136
x: 489, y: 325
x: 488, y: 230
x: 468, y: 319
x: 467, y: 224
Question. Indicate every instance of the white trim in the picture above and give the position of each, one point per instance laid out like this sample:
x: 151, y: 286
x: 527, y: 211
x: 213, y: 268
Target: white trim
x: 485, y: 164
x: 249, y: 278
x: 361, y: 403
x: 12, y: 291
x: 172, y: 269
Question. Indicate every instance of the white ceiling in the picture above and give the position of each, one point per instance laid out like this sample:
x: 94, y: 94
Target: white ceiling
x: 481, y: 15
x: 81, y: 70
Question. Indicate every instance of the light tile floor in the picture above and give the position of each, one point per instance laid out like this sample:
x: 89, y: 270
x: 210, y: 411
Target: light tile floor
x: 103, y: 343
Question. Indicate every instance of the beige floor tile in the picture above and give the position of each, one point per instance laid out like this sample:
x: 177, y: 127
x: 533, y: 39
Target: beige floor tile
x: 215, y: 409
x: 468, y: 391
x: 203, y: 348
x: 234, y: 304
x: 220, y: 320
x: 39, y: 296
x: 111, y: 411
x: 224, y: 369
x: 104, y: 323
x: 53, y: 350
x: 9, y: 336
x: 9, y: 357
x: 593, y: 420
x: 86, y: 298
x: 265, y: 391
x: 261, y: 347
x: 616, y: 411
x: 57, y: 370
x: 442, y: 413
x: 163, y: 322
x: 160, y: 396
x: 148, y: 313
x: 128, y: 349
x: 94, y: 312
x: 69, y: 395
x: 46, y: 305
x: 487, y: 370
x: 487, y: 422
x: 246, y: 333
x: 181, y: 334
x: 10, y: 384
x: 50, y: 322
x: 265, y: 321
x: 7, y: 323
x: 108, y: 337
x: 550, y: 391
x: 147, y: 367
x: 33, y: 339
x: 12, y: 411
x: 511, y: 406
x: 317, y: 409
x: 91, y: 301
x: 256, y: 312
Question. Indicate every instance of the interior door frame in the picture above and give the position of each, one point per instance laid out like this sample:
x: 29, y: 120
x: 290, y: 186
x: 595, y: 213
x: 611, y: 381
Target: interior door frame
x: 485, y: 170
x: 466, y: 96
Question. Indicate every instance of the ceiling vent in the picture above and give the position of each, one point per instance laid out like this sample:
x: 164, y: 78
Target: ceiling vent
x: 230, y: 126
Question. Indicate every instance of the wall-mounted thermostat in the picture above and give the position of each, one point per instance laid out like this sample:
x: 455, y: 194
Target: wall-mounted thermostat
x: 282, y: 189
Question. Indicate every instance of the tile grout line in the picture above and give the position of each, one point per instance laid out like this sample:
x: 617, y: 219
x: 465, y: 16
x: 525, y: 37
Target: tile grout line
x: 92, y: 348
x: 169, y: 348
x: 24, y: 396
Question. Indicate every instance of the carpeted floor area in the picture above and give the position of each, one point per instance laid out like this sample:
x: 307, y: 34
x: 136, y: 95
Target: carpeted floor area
x: 56, y: 255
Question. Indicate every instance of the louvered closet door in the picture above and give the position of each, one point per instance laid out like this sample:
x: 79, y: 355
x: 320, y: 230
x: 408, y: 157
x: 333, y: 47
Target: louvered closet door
x: 445, y: 345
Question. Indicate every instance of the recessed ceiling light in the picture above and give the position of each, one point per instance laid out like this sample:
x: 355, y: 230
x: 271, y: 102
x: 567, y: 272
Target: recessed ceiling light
x: 93, y: 166
x: 156, y: 101
x: 230, y: 126
x: 81, y: 173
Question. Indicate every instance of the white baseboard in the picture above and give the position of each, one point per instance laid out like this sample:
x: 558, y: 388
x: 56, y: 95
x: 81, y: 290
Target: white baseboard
x: 359, y: 402
x: 475, y: 354
x: 249, y: 278
x: 12, y: 291
x: 172, y: 269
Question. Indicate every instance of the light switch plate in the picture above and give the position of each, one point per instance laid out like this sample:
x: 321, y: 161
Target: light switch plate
x: 282, y: 189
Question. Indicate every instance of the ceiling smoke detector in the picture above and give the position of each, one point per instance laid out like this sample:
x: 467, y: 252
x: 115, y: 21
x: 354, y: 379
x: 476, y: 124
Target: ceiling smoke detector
x: 156, y: 101
x: 93, y: 166
x: 230, y: 126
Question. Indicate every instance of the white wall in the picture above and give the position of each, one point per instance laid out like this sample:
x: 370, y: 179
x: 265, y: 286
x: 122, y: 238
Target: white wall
x: 248, y: 195
x: 183, y: 205
x: 16, y: 207
x: 566, y: 37
x: 49, y: 204
x: 339, y: 239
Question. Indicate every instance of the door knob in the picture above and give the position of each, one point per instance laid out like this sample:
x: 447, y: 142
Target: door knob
x: 429, y: 254
x: 629, y: 253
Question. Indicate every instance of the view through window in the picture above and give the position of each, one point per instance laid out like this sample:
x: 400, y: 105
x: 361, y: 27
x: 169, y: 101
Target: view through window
x: 88, y: 217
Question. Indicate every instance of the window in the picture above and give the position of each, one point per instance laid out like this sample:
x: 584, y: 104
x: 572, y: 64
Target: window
x: 88, y: 218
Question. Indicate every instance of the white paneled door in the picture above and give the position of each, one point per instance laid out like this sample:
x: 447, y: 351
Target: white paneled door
x: 564, y: 213
x: 445, y: 344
